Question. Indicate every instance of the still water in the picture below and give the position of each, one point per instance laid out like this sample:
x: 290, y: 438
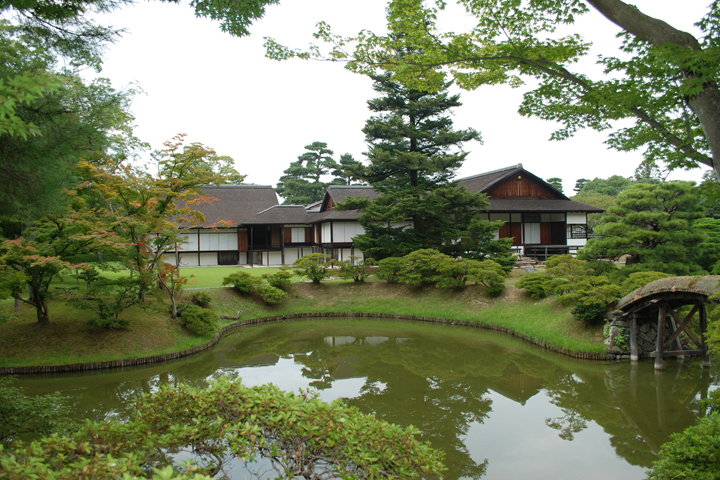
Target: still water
x: 477, y: 395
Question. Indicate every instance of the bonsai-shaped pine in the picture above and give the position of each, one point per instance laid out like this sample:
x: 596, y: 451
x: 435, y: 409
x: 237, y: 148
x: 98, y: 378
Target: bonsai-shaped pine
x: 315, y: 267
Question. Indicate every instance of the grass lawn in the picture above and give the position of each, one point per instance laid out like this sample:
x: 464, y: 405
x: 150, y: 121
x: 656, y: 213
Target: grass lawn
x: 69, y: 339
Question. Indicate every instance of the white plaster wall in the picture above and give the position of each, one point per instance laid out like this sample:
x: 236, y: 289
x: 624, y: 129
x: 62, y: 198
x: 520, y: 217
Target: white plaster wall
x: 576, y: 219
x: 243, y: 258
x: 291, y: 254
x: 188, y: 260
x: 208, y: 259
x: 505, y: 217
x: 274, y: 258
x: 227, y: 241
x: 581, y: 242
x: 326, y: 238
x: 170, y: 258
x: 208, y: 241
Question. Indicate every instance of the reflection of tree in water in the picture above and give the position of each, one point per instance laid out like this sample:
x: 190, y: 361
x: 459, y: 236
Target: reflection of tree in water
x: 437, y: 381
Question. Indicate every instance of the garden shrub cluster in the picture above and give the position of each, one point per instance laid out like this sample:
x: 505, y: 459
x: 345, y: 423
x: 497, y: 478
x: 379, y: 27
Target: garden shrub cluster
x: 590, y: 287
x: 198, y: 320
x: 430, y: 267
x: 301, y: 436
x: 272, y: 291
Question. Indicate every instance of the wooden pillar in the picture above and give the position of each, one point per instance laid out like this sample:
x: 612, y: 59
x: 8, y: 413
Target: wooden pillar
x: 250, y: 246
x: 634, y: 357
x: 674, y: 328
x: 660, y: 338
x: 282, y: 245
x: 703, y: 332
x: 633, y: 379
x: 660, y: 399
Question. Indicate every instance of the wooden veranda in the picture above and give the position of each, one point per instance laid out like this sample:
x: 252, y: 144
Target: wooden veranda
x: 660, y: 301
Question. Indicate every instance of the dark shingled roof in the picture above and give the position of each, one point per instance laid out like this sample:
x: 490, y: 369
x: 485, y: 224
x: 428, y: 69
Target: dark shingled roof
x: 483, y: 181
x: 524, y: 205
x: 340, y: 193
x: 281, y: 215
x: 238, y: 203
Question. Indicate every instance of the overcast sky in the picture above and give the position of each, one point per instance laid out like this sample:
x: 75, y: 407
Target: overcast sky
x: 224, y: 93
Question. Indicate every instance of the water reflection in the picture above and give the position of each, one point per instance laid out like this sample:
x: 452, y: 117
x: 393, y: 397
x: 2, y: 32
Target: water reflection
x: 474, y: 394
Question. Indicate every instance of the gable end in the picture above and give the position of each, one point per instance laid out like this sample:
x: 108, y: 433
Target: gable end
x: 521, y: 186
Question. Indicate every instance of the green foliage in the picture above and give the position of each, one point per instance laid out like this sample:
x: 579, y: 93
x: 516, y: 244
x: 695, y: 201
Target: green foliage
x: 271, y: 295
x: 280, y: 279
x: 537, y: 285
x: 574, y: 283
x: 478, y: 243
x: 315, y: 267
x: 708, y: 255
x: 421, y: 267
x: 356, y: 269
x: 414, y: 153
x: 640, y: 279
x: 556, y: 183
x: 108, y: 299
x: 302, y: 183
x: 653, y: 224
x: 242, y: 281
x: 201, y: 299
x: 299, y: 435
x: 198, y: 320
x: 611, y: 186
x: 693, y: 453
x: 23, y: 417
x: 390, y: 269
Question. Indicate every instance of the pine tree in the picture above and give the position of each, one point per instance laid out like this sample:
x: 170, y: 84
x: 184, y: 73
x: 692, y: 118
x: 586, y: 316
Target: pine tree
x: 414, y: 153
x: 302, y: 184
x: 344, y: 172
x: 556, y: 183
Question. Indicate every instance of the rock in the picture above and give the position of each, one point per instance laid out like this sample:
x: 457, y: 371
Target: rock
x: 644, y: 337
x: 615, y: 349
x: 648, y: 347
x: 644, y: 327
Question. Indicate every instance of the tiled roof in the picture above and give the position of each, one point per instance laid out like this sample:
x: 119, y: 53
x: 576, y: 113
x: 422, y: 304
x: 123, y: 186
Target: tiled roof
x: 281, y: 215
x: 340, y: 193
x: 238, y: 203
x: 483, y: 181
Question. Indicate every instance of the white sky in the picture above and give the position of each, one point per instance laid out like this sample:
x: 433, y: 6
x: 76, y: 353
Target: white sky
x: 224, y: 93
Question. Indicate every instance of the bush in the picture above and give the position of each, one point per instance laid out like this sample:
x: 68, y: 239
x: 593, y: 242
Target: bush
x: 199, y: 321
x: 108, y: 299
x: 291, y: 433
x: 421, y: 267
x: 694, y: 453
x: 315, y: 267
x: 281, y: 279
x: 201, y: 299
x: 242, y: 281
x: 356, y: 269
x: 537, y: 285
x: 640, y: 279
x: 271, y: 295
x: 389, y: 269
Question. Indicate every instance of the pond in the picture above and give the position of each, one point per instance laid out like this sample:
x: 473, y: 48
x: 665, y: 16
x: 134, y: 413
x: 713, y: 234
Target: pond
x: 476, y: 394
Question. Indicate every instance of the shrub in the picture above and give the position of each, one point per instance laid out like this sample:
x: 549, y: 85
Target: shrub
x: 640, y: 279
x: 693, y: 453
x: 389, y: 269
x: 291, y: 433
x: 315, y: 267
x: 281, y: 279
x: 421, y: 267
x: 271, y: 295
x: 201, y: 298
x: 537, y: 285
x: 108, y: 299
x: 199, y: 321
x: 242, y: 281
x: 356, y: 269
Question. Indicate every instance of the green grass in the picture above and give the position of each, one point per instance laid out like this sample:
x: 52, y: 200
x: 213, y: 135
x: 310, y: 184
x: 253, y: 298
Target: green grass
x: 69, y: 339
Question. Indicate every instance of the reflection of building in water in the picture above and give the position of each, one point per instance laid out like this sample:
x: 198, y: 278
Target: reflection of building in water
x: 348, y: 340
x: 515, y: 385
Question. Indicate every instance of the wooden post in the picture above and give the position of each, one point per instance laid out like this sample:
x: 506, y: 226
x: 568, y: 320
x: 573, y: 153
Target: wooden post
x: 703, y: 332
x: 660, y: 338
x: 634, y: 357
x: 659, y: 398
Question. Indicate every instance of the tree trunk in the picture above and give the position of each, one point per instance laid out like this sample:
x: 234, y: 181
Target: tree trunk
x: 706, y: 104
x: 41, y: 308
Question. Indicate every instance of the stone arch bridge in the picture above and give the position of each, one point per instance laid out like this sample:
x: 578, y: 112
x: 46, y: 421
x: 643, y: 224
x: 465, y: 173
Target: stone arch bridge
x: 658, y: 303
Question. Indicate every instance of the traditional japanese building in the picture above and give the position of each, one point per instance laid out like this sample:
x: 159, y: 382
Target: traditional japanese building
x: 541, y: 220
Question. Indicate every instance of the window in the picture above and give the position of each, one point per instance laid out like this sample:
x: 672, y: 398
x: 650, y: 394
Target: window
x: 577, y: 231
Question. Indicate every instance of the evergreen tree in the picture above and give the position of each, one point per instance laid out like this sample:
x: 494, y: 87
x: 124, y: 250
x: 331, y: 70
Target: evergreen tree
x: 302, y: 184
x: 414, y: 153
x: 579, y: 184
x: 344, y: 172
x: 556, y: 183
x: 653, y: 224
